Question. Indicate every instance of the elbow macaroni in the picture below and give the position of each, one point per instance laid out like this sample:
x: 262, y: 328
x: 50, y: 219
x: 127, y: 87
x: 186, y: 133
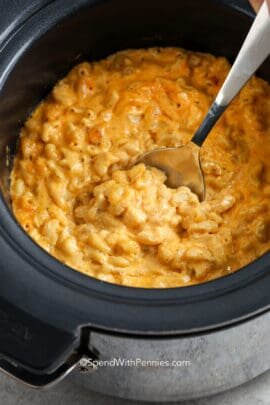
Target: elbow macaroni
x: 75, y: 192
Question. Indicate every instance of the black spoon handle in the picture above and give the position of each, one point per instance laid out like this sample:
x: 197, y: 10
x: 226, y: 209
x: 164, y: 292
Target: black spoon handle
x: 209, y: 121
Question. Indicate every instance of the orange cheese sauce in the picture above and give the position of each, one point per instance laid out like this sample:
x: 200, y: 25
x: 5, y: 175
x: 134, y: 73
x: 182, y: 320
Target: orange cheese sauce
x: 74, y: 192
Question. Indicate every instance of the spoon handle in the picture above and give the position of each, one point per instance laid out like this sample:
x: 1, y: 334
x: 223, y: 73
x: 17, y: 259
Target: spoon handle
x: 254, y: 51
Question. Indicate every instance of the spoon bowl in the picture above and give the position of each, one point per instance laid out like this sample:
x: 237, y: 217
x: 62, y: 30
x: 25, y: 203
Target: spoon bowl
x: 181, y: 166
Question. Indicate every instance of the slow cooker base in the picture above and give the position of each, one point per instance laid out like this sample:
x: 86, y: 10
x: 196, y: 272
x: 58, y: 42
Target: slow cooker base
x: 219, y: 361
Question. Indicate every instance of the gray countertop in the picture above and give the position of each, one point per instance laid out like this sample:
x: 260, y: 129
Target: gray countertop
x: 256, y: 392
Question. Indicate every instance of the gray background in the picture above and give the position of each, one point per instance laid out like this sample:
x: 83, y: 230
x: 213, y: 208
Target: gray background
x: 256, y: 392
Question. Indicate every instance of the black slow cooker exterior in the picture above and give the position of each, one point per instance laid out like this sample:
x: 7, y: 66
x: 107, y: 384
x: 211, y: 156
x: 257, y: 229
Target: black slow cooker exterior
x: 48, y: 310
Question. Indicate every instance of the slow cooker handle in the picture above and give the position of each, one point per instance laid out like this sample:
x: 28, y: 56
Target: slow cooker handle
x: 40, y: 380
x: 35, y: 353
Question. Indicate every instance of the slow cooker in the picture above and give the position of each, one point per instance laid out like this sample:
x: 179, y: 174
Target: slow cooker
x: 54, y: 320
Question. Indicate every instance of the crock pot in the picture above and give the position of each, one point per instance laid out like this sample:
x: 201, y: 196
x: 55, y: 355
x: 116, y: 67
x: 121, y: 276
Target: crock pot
x: 53, y: 319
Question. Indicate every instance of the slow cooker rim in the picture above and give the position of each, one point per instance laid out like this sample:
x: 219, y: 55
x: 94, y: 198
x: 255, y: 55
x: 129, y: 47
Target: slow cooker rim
x: 31, y: 252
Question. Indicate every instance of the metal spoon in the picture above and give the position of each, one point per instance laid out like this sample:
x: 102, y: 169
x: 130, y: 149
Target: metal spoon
x: 182, y: 165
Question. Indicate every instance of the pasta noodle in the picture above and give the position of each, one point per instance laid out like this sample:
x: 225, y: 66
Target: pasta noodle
x: 76, y: 191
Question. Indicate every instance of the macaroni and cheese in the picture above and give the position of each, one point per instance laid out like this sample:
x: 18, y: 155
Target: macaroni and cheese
x: 77, y: 191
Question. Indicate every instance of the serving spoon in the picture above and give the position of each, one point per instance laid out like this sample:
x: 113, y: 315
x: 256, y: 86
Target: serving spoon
x: 182, y: 164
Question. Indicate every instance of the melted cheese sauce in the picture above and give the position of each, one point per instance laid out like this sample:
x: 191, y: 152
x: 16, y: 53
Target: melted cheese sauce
x: 73, y: 190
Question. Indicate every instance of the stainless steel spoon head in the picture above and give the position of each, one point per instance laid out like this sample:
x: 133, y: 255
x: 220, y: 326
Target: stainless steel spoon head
x: 181, y: 165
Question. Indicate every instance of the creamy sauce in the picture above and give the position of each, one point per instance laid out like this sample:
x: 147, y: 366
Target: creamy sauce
x: 73, y: 190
